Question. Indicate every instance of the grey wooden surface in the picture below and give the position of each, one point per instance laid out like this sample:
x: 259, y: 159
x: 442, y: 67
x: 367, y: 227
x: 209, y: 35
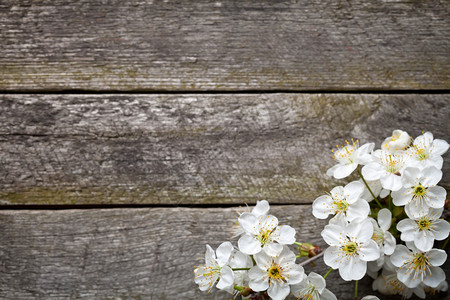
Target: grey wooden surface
x: 224, y: 45
x: 196, y: 148
x: 201, y: 104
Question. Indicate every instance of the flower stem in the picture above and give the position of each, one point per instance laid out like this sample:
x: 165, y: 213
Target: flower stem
x: 356, y: 289
x: 298, y: 244
x: 303, y: 263
x: 370, y: 190
x: 240, y: 269
x: 328, y: 273
x: 390, y: 201
x: 445, y: 243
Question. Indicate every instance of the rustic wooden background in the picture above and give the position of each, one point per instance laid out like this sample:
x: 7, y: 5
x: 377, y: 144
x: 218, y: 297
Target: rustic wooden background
x: 131, y: 131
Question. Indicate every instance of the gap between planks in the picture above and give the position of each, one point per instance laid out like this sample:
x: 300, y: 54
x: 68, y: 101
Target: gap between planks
x: 226, y: 92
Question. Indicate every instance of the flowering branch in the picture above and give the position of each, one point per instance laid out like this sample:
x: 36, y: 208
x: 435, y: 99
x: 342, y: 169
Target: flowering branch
x: 405, y: 173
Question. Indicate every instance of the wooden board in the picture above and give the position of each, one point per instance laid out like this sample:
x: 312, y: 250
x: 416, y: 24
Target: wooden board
x: 193, y: 149
x: 128, y: 45
x: 146, y: 253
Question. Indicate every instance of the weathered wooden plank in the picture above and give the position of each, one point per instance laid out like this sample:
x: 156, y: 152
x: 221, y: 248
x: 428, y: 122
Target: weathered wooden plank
x: 171, y: 149
x: 224, y: 45
x: 146, y: 253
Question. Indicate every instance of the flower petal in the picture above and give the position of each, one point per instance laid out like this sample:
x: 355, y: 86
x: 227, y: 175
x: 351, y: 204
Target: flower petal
x: 249, y: 223
x: 262, y: 208
x: 389, y: 243
x: 436, y: 276
x: 318, y: 281
x: 226, y: 278
x: 436, y: 257
x: 436, y: 196
x: 424, y: 240
x: 439, y: 147
x: 401, y: 197
x: 358, y: 210
x: 353, y: 191
x: 284, y: 235
x: 441, y: 229
x: 354, y: 269
x: 431, y: 176
x: 278, y: 291
x: 223, y: 253
x: 400, y: 255
x: 327, y: 295
x: 391, y: 182
x: 249, y: 245
x: 384, y: 219
x: 373, y: 171
x: 273, y: 249
x: 322, y: 207
x: 258, y: 279
x: 333, y: 234
x: 331, y: 257
x: 369, y: 252
x: 296, y: 274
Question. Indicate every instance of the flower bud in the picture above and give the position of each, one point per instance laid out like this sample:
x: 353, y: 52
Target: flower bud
x: 308, y: 249
x: 399, y: 140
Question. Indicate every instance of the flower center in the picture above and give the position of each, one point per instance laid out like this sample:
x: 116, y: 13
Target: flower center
x: 274, y: 272
x: 350, y: 248
x: 424, y: 224
x: 396, y: 286
x: 392, y: 164
x: 421, y: 152
x: 309, y: 293
x: 341, y: 205
x: 344, y: 154
x: 419, y: 190
x: 420, y: 261
x: 264, y: 236
x: 378, y: 236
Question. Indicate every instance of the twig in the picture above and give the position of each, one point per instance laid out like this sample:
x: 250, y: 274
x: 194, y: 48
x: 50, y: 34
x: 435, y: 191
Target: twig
x: 312, y: 259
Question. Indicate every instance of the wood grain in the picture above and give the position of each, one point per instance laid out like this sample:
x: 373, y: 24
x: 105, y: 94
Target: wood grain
x: 146, y: 253
x: 130, y: 45
x: 193, y: 149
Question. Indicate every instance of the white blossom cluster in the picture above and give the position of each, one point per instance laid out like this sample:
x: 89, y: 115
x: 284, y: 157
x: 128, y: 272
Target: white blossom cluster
x: 385, y: 224
x: 262, y: 264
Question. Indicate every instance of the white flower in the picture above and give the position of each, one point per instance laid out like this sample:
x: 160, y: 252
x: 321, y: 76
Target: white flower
x: 312, y: 288
x: 384, y: 239
x: 427, y: 152
x: 381, y: 235
x: 215, y: 268
x: 424, y: 229
x: 240, y: 261
x: 419, y: 191
x: 388, y: 284
x: 263, y: 233
x: 387, y: 168
x: 262, y: 208
x: 351, y: 246
x: 348, y: 158
x: 416, y: 266
x: 342, y: 202
x: 399, y: 140
x: 275, y: 274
